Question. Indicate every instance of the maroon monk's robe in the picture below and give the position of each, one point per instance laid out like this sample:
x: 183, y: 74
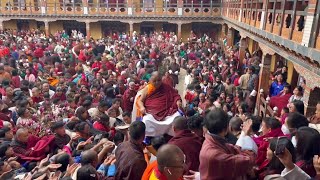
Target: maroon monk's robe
x: 162, y: 102
x: 224, y: 73
x: 174, y: 67
x: 34, y: 149
x: 130, y: 161
x: 127, y: 103
x: 191, y: 145
x: 220, y: 160
x: 280, y: 101
x: 168, y: 80
x: 263, y: 144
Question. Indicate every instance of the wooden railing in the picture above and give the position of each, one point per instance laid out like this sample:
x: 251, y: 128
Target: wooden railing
x: 264, y: 108
x: 282, y: 18
x: 111, y: 9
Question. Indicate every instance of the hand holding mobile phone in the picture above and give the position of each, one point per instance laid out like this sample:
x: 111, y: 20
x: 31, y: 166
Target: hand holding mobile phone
x: 280, y: 147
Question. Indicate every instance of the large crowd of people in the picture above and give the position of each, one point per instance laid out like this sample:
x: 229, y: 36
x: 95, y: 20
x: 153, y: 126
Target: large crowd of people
x: 85, y: 109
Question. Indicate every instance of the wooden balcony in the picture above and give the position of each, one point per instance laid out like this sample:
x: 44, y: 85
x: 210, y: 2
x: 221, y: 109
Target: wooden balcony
x: 93, y: 10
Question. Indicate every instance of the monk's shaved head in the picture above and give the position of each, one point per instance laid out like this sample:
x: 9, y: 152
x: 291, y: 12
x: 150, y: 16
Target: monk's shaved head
x: 21, y: 131
x: 89, y: 157
x: 155, y: 79
x: 155, y: 74
x: 169, y: 155
x: 22, y: 135
x: 180, y: 123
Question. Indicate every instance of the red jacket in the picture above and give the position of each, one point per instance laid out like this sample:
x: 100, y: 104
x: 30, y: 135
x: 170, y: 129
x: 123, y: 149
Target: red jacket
x: 221, y: 160
x: 191, y: 145
x: 38, y: 53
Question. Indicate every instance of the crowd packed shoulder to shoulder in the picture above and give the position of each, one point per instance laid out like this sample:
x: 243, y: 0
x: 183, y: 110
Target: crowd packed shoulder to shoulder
x: 73, y: 108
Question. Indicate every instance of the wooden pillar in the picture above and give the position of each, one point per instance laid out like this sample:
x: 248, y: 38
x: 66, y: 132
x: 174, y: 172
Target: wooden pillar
x: 179, y: 31
x: 43, y: 6
x: 131, y: 29
x: 88, y: 30
x: 242, y: 50
x: 230, y: 37
x: 1, y: 26
x: 158, y: 6
x: 241, y: 10
x: 264, y: 14
x: 273, y: 15
x: 263, y: 86
x: 311, y: 24
x: 310, y: 99
x: 293, y: 19
x: 283, y: 5
x: 85, y: 6
x: 47, y: 28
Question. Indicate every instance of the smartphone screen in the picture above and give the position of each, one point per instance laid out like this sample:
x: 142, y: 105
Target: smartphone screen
x: 281, y: 146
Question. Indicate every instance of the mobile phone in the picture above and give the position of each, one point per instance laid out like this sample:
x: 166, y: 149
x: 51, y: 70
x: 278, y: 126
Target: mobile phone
x: 281, y: 146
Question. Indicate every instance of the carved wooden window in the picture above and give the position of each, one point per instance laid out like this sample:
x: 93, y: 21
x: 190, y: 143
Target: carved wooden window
x: 270, y: 18
x: 288, y: 21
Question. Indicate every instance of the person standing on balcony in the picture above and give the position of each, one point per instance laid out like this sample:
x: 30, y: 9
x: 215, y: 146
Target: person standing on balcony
x: 277, y: 86
x: 243, y: 81
x: 252, y: 88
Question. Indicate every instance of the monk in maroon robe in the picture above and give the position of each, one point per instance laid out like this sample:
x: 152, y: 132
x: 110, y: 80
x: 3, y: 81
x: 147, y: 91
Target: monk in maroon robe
x: 29, y: 147
x: 128, y: 98
x: 174, y: 68
x: 281, y: 100
x: 188, y: 142
x: 158, y: 99
x: 271, y: 128
x: 168, y: 80
x: 157, y: 102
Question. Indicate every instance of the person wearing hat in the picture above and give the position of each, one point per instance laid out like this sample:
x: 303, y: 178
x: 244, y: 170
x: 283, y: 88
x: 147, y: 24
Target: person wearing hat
x: 59, y: 94
x: 61, y: 138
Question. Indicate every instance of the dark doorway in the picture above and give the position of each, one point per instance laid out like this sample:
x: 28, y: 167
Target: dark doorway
x: 23, y: 25
x: 237, y: 37
x: 168, y: 27
x: 68, y: 26
x: 109, y: 28
x: 210, y: 29
x: 146, y: 28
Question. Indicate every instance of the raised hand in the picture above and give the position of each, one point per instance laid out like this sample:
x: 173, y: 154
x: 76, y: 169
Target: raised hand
x: 193, y: 175
x: 247, y: 127
x: 55, y: 176
x: 316, y: 163
x: 71, y: 169
x: 286, y: 159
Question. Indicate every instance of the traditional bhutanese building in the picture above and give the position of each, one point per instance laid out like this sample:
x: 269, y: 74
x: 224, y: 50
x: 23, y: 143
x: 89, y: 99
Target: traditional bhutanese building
x: 281, y: 30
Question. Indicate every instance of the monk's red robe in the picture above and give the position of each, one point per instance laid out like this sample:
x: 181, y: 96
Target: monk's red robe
x: 280, y: 101
x: 152, y: 173
x: 263, y: 144
x: 168, y: 80
x: 191, y: 145
x: 162, y: 102
x: 127, y: 104
x: 34, y: 150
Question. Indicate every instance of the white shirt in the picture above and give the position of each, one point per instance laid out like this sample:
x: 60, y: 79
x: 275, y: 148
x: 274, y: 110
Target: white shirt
x: 187, y: 79
x: 58, y: 49
x: 247, y: 143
